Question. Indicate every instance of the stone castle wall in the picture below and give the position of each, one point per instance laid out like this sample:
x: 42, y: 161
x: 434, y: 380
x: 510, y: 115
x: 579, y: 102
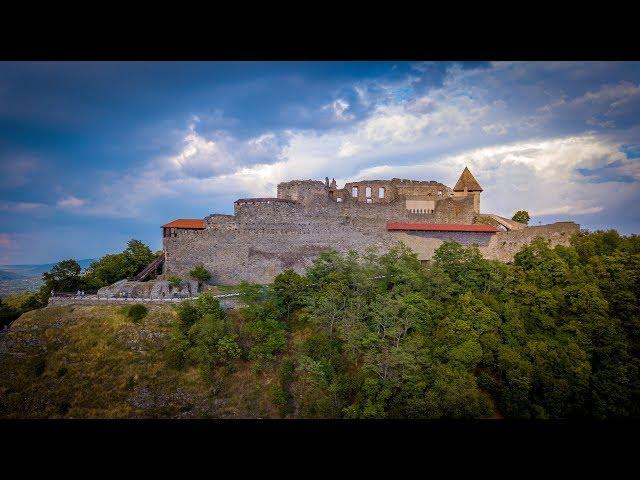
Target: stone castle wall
x: 394, y: 190
x: 266, y: 236
x: 306, y: 192
x: 504, y: 245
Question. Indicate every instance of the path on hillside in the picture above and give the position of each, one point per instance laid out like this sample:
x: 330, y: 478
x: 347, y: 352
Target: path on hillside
x: 228, y: 300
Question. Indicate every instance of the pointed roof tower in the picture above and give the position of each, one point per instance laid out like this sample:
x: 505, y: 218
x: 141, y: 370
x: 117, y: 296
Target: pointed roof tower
x: 468, y: 181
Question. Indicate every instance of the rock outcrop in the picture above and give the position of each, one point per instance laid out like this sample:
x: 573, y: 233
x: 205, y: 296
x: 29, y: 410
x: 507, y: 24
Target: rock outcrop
x: 156, y: 289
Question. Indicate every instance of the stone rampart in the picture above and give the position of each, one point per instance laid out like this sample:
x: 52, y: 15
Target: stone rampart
x: 504, y: 245
x: 268, y: 235
x: 265, y: 237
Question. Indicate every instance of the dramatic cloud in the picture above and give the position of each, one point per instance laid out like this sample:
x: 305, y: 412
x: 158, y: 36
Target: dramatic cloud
x: 559, y: 139
x: 411, y: 137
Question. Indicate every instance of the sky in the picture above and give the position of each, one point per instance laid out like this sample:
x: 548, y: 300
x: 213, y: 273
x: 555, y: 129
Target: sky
x: 93, y: 154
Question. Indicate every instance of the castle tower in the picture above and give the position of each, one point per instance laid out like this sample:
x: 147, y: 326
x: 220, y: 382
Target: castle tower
x: 467, y: 184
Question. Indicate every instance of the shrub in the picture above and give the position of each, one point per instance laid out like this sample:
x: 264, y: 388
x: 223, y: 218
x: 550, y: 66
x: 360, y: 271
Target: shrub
x: 188, y: 314
x: 177, y: 348
x: 228, y: 348
x: 267, y: 337
x: 207, y: 304
x: 39, y: 367
x: 279, y: 398
x: 137, y: 312
x: 286, y: 370
x: 174, y: 282
x: 201, y: 274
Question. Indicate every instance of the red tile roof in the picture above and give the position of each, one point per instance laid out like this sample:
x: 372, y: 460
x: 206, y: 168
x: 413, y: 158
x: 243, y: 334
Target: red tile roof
x: 185, y: 223
x: 441, y: 227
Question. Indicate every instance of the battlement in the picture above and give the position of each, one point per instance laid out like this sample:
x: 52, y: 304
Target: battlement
x: 255, y: 201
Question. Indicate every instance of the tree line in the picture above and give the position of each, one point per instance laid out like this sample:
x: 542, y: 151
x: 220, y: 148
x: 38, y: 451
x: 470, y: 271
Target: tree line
x: 67, y: 276
x: 555, y: 334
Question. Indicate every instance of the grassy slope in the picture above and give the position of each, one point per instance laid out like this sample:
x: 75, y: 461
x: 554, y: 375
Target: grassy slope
x: 93, y: 362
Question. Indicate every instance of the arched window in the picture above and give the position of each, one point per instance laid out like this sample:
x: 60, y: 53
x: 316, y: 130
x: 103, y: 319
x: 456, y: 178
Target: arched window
x: 381, y: 192
x: 354, y: 191
x: 367, y: 192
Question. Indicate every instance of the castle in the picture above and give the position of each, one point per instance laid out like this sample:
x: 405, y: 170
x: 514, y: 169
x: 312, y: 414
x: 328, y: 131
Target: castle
x: 265, y: 236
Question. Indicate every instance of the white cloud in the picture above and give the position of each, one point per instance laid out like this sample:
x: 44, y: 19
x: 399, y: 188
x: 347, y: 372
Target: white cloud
x: 496, y: 129
x: 431, y: 136
x: 597, y: 106
x: 567, y: 209
x: 339, y: 110
x: 539, y: 175
x: 70, y: 202
x: 200, y: 157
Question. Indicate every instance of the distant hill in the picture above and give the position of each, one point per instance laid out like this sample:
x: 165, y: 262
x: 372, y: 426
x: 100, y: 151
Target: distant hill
x: 28, y: 277
x: 29, y: 270
x: 6, y: 275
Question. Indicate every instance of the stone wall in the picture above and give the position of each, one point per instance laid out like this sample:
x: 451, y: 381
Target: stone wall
x: 500, y: 246
x: 270, y: 238
x: 463, y: 238
x: 394, y: 190
x: 306, y: 192
x: 504, y: 245
x: 265, y: 237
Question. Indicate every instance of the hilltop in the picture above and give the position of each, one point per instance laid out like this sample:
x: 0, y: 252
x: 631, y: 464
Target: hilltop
x: 94, y: 362
x: 556, y: 334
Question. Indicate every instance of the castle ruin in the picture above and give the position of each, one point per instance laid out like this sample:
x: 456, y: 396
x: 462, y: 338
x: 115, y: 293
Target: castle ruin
x: 265, y: 236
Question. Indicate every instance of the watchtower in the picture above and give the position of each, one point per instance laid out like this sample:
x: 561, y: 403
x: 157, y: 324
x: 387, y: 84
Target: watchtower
x: 468, y: 185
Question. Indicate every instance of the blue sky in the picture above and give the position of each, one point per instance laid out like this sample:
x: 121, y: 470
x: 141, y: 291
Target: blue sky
x: 95, y: 153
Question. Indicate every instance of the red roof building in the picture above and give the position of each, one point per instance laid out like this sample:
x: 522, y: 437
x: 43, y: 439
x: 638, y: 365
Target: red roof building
x: 190, y: 223
x: 439, y: 227
x: 171, y: 229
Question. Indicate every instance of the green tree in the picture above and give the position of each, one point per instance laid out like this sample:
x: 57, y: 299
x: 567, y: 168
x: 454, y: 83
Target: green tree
x: 289, y: 288
x: 251, y: 293
x: 556, y: 334
x: 63, y: 277
x: 139, y: 256
x: 521, y: 216
x: 113, y: 267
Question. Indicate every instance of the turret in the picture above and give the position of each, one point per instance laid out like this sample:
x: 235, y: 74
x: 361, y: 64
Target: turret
x: 468, y: 185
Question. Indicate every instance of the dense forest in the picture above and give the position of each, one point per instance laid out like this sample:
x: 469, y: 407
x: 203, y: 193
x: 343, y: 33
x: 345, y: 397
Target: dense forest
x: 553, y: 335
